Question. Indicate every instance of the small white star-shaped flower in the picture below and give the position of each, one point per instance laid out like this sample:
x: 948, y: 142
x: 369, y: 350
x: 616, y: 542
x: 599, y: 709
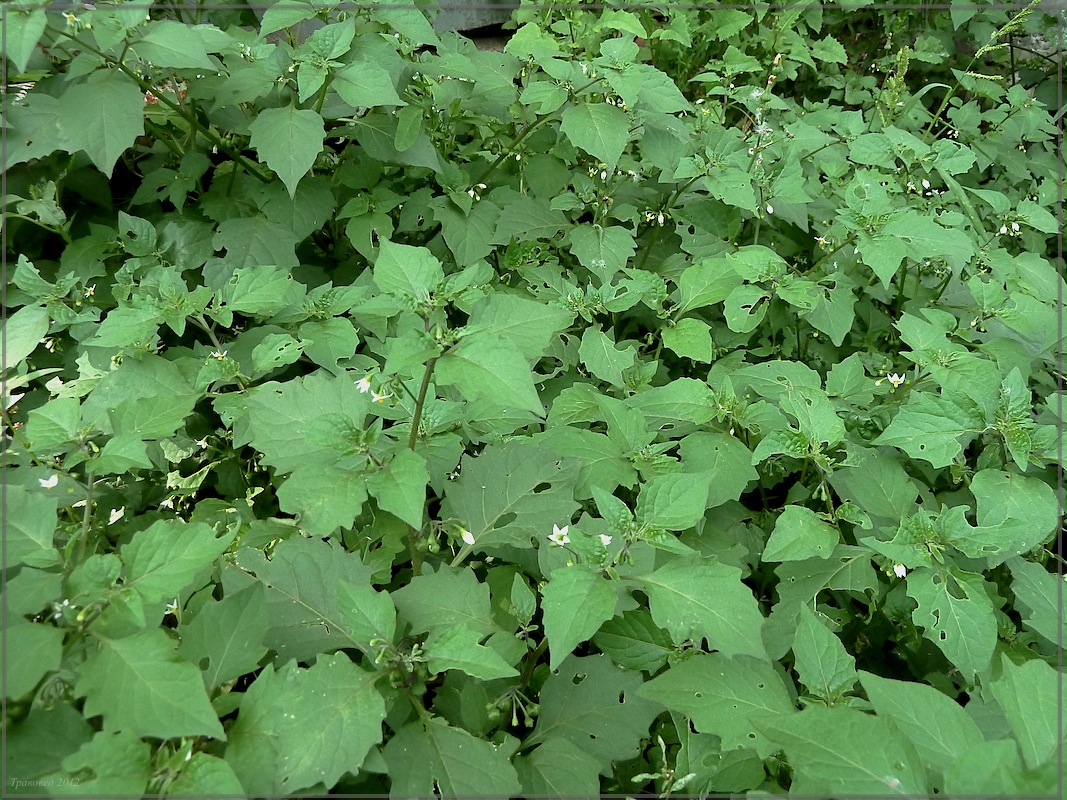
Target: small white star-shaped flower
x: 900, y: 570
x: 363, y: 384
x: 467, y: 536
x: 116, y: 515
x: 49, y: 483
x: 379, y: 398
x: 895, y: 379
x: 559, y: 535
x: 219, y: 354
x: 605, y: 539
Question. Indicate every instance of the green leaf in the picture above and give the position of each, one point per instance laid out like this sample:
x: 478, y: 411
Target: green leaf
x: 206, y: 774
x: 683, y: 400
x: 174, y: 45
x: 500, y: 499
x: 256, y: 241
x: 261, y: 291
x: 459, y: 648
x: 288, y: 140
x: 225, y: 638
x: 113, y: 763
x: 709, y: 281
x: 558, y: 769
x: 485, y: 366
x: 634, y: 642
x: 164, y: 558
x: 529, y: 325
x: 29, y: 525
x: 1031, y: 697
x: 799, y: 534
x: 140, y: 685
x: 433, y: 758
x: 1035, y: 590
x: 575, y: 602
x: 527, y: 218
x: 407, y: 271
x: 597, y: 128
x: 596, y: 708
x: 302, y: 727
x: 956, y: 614
x: 23, y: 27
x: 301, y: 582
x: 823, y: 664
x: 400, y: 488
x: 842, y: 751
x: 40, y: 649
x: 724, y: 696
x: 690, y: 338
x: 367, y: 614
x: 364, y: 84
x: 929, y: 428
x: 324, y: 498
x: 942, y: 731
x: 439, y: 601
x: 276, y: 350
x: 705, y: 600
x: 674, y: 502
x: 603, y: 358
x: 22, y: 332
x: 152, y: 417
x: 103, y: 116
x: 725, y: 458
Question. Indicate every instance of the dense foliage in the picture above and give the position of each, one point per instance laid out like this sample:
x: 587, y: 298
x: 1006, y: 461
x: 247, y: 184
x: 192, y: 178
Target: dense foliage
x: 668, y: 403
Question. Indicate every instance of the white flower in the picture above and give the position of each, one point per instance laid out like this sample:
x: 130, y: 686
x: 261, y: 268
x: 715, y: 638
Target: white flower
x: 822, y: 240
x: 900, y: 570
x: 1015, y: 227
x: 895, y: 379
x: 559, y: 535
x: 605, y: 539
x: 380, y: 398
x: 770, y: 209
x: 168, y: 503
x: 219, y: 354
x: 116, y: 515
x: 364, y: 384
x: 467, y: 536
x: 926, y: 183
x: 202, y: 443
x: 49, y: 483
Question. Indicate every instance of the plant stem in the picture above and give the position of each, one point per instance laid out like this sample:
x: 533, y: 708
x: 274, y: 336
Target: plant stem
x: 531, y: 663
x: 420, y: 401
x: 87, y: 517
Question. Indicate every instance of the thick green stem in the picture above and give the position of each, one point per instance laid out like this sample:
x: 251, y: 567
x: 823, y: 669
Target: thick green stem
x: 420, y: 401
x: 87, y: 517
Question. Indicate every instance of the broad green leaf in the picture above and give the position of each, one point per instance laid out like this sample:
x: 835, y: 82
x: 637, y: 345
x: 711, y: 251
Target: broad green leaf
x: 113, y: 764
x: 529, y: 325
x: 152, y: 417
x: 22, y: 332
x: 400, y: 488
x: 1030, y: 695
x: 878, y: 484
x: 30, y: 519
x: 433, y: 758
x: 684, y: 400
x: 709, y: 281
x: 225, y: 638
x: 940, y: 729
x: 163, y: 559
x: 724, y: 696
x: 364, y: 84
x: 602, y: 357
x: 261, y: 291
x: 276, y: 350
x: 725, y: 458
x: 174, y: 45
x: 603, y: 461
x: 103, y: 116
x: 38, y: 744
x: 995, y: 766
x: 257, y: 241
x: 1036, y: 590
x: 597, y: 128
x: 596, y: 708
x: 301, y: 727
x: 407, y: 271
x: 633, y: 641
x: 323, y: 498
x: 603, y: 251
x: 206, y: 774
x: 823, y: 664
x: 439, y: 601
x: 527, y: 218
x: 458, y: 648
x: 558, y: 769
x: 468, y: 236
x: 486, y: 366
x: 690, y: 338
x: 744, y: 308
x: 674, y: 502
x: 40, y: 651
x: 140, y: 685
x: 367, y: 614
x: 23, y: 26
x: 301, y: 581
x: 800, y: 534
x: 930, y: 428
x: 956, y: 614
x: 288, y: 140
x: 707, y: 600
x: 842, y: 751
x: 576, y: 601
x: 329, y: 341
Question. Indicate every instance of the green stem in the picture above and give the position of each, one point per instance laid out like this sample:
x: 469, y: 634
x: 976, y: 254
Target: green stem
x: 531, y: 663
x: 208, y: 134
x: 39, y: 224
x: 87, y: 517
x: 322, y: 95
x: 201, y: 323
x: 420, y: 401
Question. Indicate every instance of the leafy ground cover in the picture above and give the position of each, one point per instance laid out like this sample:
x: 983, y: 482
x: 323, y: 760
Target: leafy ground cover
x: 668, y: 403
